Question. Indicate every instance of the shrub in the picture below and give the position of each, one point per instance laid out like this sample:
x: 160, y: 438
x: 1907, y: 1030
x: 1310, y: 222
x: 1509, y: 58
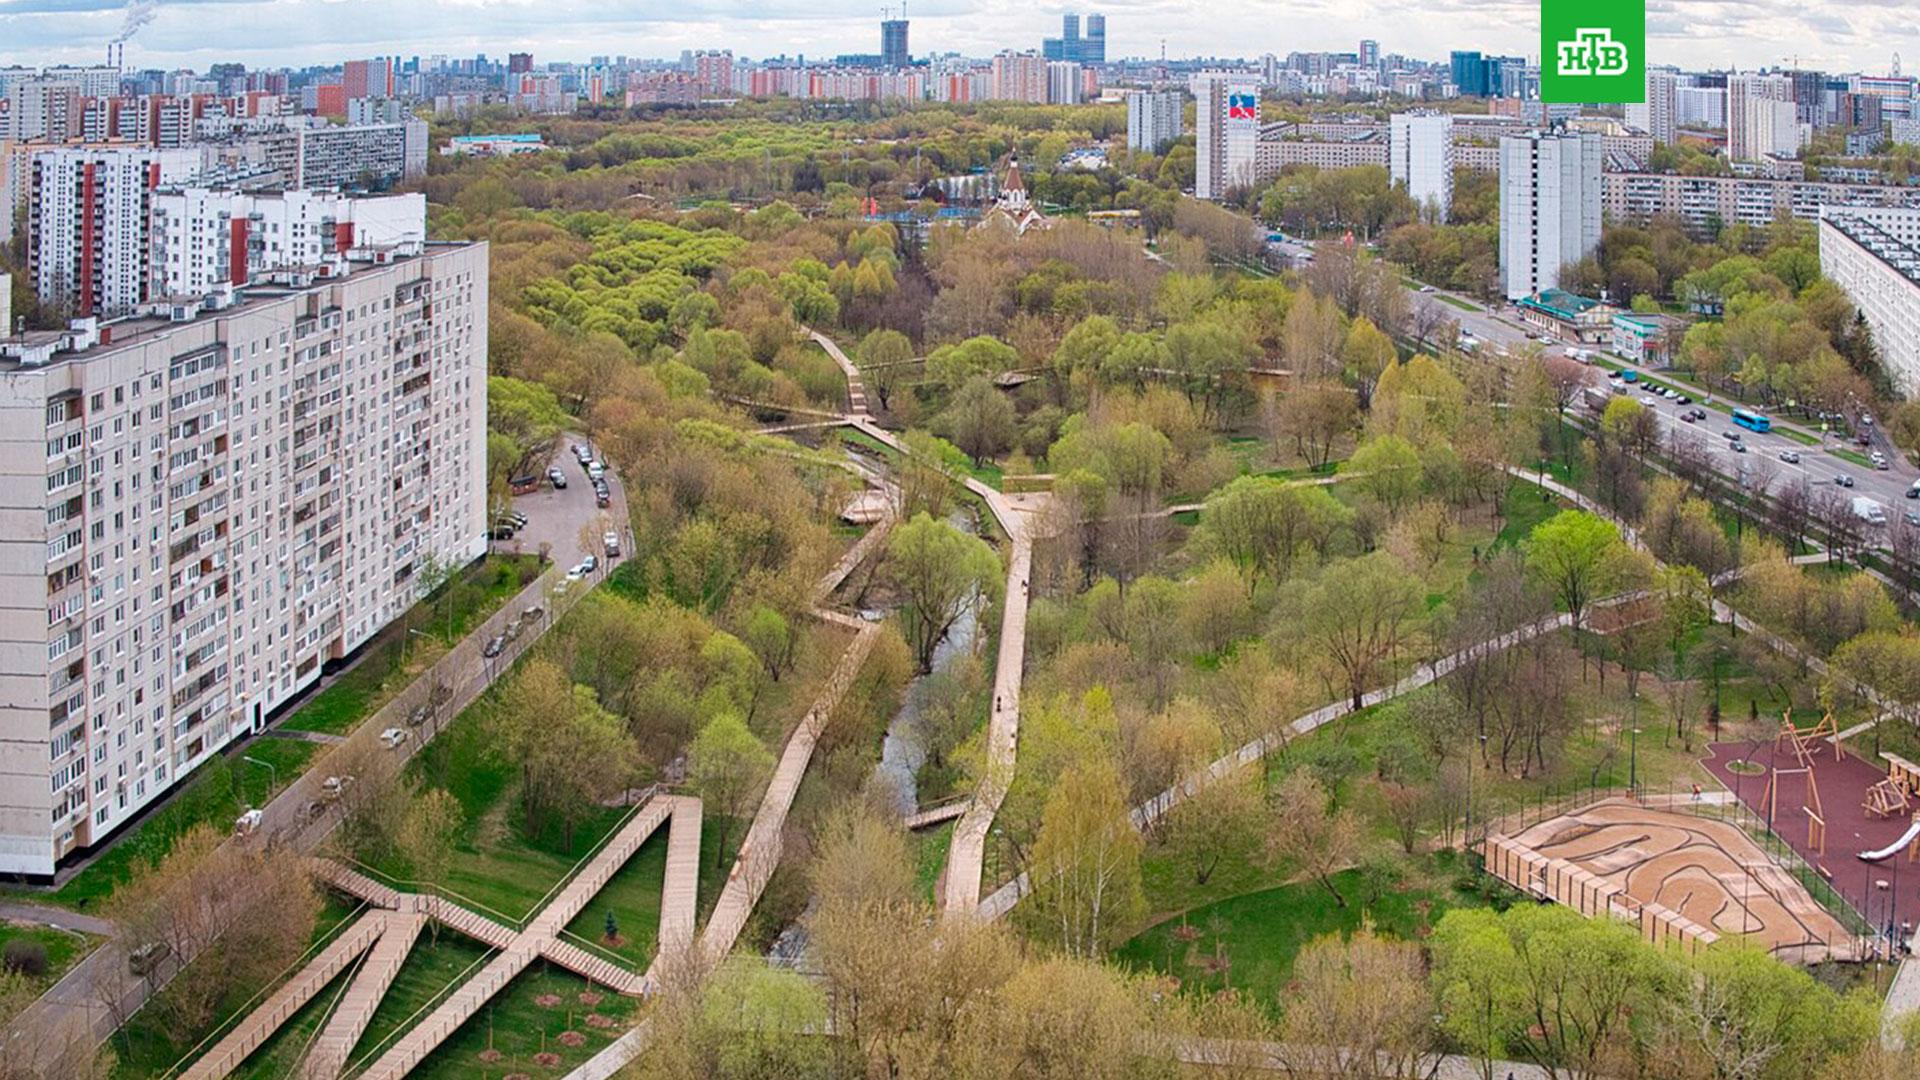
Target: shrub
x: 24, y: 957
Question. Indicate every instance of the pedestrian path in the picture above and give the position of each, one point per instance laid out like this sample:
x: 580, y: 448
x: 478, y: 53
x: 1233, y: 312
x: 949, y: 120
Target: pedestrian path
x: 246, y: 1036
x: 349, y: 1020
x: 760, y: 851
x: 395, y: 923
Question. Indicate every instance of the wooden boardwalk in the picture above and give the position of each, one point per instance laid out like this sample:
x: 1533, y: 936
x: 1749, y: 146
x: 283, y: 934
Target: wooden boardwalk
x: 760, y: 851
x: 391, y: 929
x: 260, y: 1024
x: 934, y: 815
x: 349, y: 1020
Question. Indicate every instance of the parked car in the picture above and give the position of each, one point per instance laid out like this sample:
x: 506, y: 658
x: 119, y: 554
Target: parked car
x: 1913, y: 517
x: 143, y: 960
x: 581, y: 453
x: 248, y: 823
x: 1791, y: 457
x: 590, y: 564
x: 501, y: 532
x: 494, y: 646
x: 1684, y: 399
x: 393, y: 737
x: 611, y: 541
x: 557, y: 478
x: 601, y: 498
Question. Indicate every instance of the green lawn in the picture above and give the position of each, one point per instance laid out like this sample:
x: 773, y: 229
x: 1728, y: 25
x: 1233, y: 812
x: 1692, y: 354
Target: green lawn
x: 519, y: 1027
x: 1456, y: 302
x: 217, y: 793
x: 1852, y: 456
x: 1249, y: 941
x: 431, y: 969
x: 64, y: 948
x: 929, y: 847
x: 634, y: 893
x: 499, y: 867
x: 1527, y: 505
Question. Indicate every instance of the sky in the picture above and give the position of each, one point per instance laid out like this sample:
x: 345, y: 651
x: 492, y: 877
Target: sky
x: 1834, y: 35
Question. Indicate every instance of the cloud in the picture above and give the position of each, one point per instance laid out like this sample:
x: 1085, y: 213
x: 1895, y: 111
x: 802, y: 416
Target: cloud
x: 272, y: 33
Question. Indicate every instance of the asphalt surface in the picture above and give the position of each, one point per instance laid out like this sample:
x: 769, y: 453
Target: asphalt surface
x: 565, y: 517
x: 1503, y: 329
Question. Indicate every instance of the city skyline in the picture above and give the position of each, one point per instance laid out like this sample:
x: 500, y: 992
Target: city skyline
x: 1747, y: 34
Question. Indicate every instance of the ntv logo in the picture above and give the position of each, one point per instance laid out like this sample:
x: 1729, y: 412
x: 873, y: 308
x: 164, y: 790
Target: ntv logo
x: 1593, y: 52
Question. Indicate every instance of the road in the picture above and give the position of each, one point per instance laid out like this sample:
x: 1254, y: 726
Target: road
x: 85, y: 1007
x: 1503, y: 329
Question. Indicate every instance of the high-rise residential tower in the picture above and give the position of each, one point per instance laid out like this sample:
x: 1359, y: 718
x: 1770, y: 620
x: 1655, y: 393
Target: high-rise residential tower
x: 1550, y: 197
x: 1420, y: 158
x: 1226, y: 131
x: 209, y: 502
x: 1754, y: 124
x: 1655, y: 115
x: 1154, y: 118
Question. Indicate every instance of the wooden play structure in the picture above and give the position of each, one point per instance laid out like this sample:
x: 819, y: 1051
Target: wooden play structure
x: 1897, y: 793
x: 1802, y: 743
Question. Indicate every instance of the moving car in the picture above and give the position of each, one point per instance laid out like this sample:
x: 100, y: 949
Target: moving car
x: 1843, y: 480
x: 1738, y: 447
x: 1913, y: 517
x: 557, y: 478
x: 1914, y: 491
x: 1869, y: 511
x: 1791, y: 457
x: 1649, y: 401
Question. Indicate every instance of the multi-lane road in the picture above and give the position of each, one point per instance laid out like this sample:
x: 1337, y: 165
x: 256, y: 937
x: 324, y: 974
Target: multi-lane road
x: 1503, y: 329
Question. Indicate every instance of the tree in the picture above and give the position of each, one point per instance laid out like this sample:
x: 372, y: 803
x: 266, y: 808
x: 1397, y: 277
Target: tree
x: 1578, y: 557
x: 1741, y: 1013
x: 1310, y: 834
x: 1366, y: 354
x: 979, y: 419
x: 427, y: 834
x: 1085, y: 866
x: 771, y: 640
x: 1314, y: 415
x: 1363, y: 999
x: 1357, y: 612
x: 727, y: 764
x: 1260, y: 524
x: 882, y: 358
x: 938, y: 570
x: 1388, y: 468
x: 1219, y: 823
x: 574, y: 761
x: 927, y: 475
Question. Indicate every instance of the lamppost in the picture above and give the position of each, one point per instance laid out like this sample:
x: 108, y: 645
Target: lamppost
x: 1633, y: 761
x: 273, y: 774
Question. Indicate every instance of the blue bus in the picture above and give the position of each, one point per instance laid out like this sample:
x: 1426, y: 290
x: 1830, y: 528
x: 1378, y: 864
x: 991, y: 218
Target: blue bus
x: 1752, y: 421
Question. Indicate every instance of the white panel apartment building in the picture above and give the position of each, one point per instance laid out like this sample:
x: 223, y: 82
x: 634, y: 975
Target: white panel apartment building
x: 203, y: 238
x: 200, y: 509
x: 1755, y: 123
x: 1154, y: 118
x: 1549, y: 207
x: 87, y: 212
x: 1226, y: 137
x: 1655, y: 116
x: 1874, y: 254
x: 1420, y: 157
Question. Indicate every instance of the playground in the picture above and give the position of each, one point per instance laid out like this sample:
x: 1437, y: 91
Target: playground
x: 1683, y: 877
x: 1856, y: 822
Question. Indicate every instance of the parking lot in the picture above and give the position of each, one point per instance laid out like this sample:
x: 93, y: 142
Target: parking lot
x: 563, y: 518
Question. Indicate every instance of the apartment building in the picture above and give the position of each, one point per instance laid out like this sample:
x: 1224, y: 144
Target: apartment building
x: 205, y: 504
x: 1757, y: 122
x: 1873, y: 253
x: 203, y: 238
x: 1706, y: 204
x: 1272, y: 155
x: 1226, y: 131
x: 1549, y: 207
x: 1420, y: 158
x: 1656, y: 115
x: 87, y: 216
x: 1154, y: 118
